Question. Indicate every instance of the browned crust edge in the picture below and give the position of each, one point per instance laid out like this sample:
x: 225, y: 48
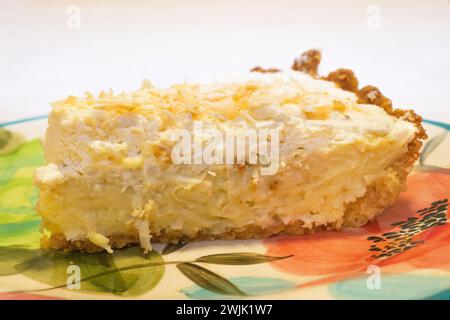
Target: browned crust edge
x: 379, y: 195
x: 58, y: 241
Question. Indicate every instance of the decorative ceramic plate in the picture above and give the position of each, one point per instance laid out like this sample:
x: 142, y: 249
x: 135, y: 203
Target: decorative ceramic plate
x: 403, y: 254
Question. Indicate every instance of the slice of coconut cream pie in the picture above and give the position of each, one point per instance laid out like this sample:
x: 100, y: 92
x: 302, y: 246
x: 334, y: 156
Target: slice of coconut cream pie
x: 309, y: 153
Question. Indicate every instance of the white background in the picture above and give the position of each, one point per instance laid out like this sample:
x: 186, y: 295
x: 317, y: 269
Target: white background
x: 42, y: 58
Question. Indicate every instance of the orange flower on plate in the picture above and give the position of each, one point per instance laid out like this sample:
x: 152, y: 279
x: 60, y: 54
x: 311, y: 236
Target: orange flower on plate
x: 413, y: 233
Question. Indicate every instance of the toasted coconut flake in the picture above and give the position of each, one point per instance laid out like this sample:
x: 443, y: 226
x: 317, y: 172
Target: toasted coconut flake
x: 144, y: 235
x: 308, y: 62
x: 344, y: 79
x: 264, y: 70
x: 372, y: 95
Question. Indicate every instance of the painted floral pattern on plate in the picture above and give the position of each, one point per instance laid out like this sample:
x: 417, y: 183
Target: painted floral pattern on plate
x: 407, y: 247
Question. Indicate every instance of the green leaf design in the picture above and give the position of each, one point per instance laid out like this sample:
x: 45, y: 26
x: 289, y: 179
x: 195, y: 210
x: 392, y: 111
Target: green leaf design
x: 22, y: 161
x: 17, y: 193
x: 47, y: 266
x: 24, y: 233
x: 5, y: 136
x: 17, y: 200
x: 431, y: 145
x: 241, y: 258
x: 102, y: 263
x: 10, y: 141
x: 11, y: 256
x: 170, y: 247
x: 208, y: 280
x: 127, y: 272
x: 140, y: 272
